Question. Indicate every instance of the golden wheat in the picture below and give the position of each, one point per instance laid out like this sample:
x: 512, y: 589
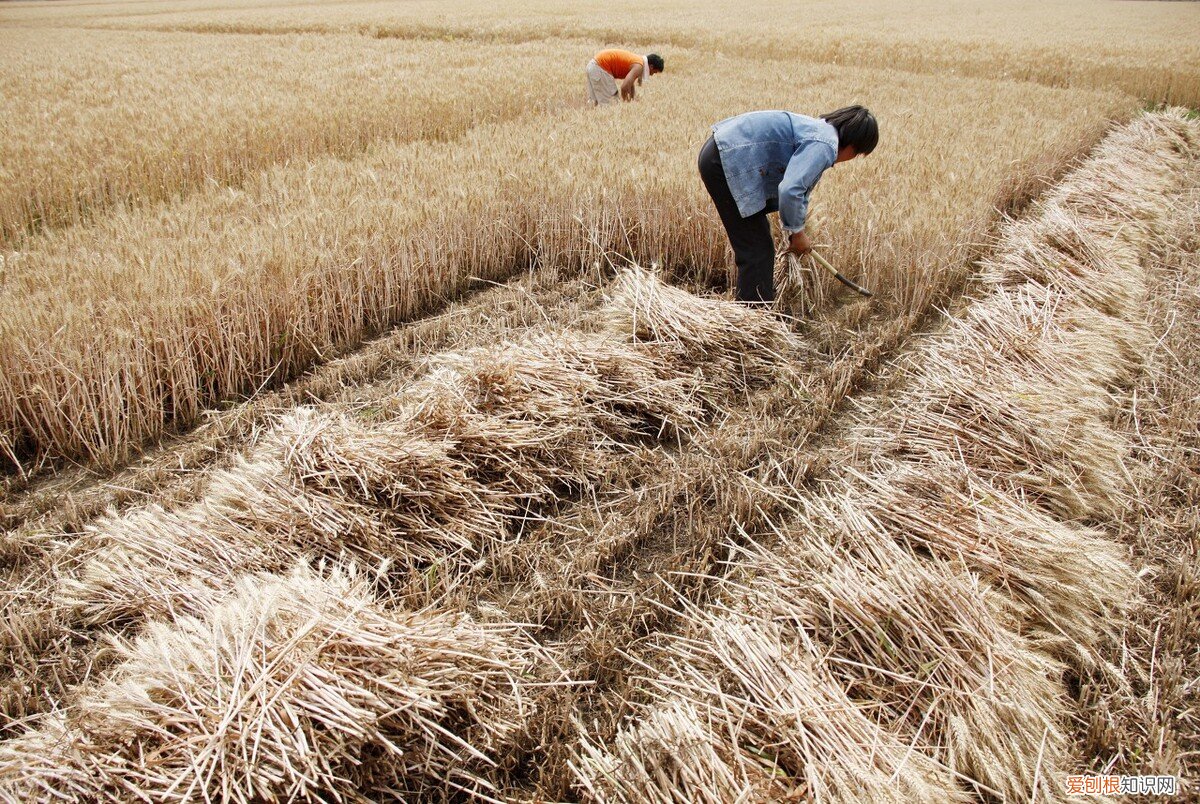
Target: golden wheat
x: 1148, y: 50
x: 97, y: 119
x: 603, y: 558
x: 814, y: 671
x: 115, y: 331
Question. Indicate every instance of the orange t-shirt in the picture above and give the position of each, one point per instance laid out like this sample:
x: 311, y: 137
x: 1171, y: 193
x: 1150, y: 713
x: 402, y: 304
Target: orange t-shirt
x: 618, y: 63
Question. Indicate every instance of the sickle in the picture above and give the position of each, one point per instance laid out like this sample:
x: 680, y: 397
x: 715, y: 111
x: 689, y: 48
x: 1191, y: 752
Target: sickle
x: 839, y: 276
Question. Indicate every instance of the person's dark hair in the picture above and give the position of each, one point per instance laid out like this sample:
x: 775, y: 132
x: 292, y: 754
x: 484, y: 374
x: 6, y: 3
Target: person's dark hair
x: 855, y: 127
x: 656, y: 61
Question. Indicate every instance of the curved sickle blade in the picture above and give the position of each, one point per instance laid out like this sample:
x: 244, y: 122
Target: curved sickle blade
x: 839, y: 276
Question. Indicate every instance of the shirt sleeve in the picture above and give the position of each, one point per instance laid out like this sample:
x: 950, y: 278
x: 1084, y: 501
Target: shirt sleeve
x: 803, y: 171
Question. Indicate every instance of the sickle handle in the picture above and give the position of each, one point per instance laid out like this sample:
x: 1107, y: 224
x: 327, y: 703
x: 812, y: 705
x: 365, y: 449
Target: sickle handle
x: 839, y: 276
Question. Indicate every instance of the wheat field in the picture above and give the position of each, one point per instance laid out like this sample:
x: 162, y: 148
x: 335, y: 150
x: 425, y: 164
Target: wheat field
x: 376, y: 425
x: 232, y: 287
x: 129, y: 119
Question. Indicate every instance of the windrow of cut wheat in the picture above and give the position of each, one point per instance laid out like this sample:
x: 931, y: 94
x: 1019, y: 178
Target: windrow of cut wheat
x: 421, y: 488
x: 959, y: 499
x: 114, y: 332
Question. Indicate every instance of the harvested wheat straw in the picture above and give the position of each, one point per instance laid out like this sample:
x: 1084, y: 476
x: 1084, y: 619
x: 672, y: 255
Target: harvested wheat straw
x: 935, y: 578
x: 295, y: 686
x: 422, y: 490
x: 404, y: 483
x: 534, y: 416
x: 625, y: 387
x: 485, y: 433
x: 44, y: 765
x: 152, y: 562
x: 1002, y: 426
x: 1048, y: 340
x: 732, y: 345
x: 1073, y: 582
x: 774, y: 725
x: 975, y: 695
x: 1028, y: 437
x: 155, y: 563
x: 1059, y: 250
x: 672, y: 755
x: 1021, y: 394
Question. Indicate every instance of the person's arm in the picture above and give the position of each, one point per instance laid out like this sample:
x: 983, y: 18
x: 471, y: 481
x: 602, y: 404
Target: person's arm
x: 627, y: 85
x: 803, y: 171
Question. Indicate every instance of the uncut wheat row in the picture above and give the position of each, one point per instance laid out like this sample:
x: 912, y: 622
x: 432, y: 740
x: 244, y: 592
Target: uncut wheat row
x: 102, y: 119
x: 1146, y: 50
x: 114, y: 332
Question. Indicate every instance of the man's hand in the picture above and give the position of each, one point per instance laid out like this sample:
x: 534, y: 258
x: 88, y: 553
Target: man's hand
x: 799, y: 244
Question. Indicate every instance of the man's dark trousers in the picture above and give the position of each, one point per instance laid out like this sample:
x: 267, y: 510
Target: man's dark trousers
x: 753, y: 247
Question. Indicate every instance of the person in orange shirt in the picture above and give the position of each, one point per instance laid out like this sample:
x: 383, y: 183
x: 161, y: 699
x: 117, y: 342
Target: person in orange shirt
x: 610, y: 66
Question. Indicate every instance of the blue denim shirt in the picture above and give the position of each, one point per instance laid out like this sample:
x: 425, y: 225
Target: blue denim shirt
x: 772, y: 160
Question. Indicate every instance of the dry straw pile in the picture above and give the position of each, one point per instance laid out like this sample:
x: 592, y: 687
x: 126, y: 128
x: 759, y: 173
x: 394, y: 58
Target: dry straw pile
x: 423, y: 485
x: 945, y: 578
x: 296, y: 686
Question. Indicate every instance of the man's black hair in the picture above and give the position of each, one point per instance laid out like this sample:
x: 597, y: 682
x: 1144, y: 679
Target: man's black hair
x: 856, y: 127
x: 655, y: 61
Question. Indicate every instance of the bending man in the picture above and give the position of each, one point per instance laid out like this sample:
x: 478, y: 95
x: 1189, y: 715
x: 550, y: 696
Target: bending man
x: 762, y: 162
x: 611, y: 66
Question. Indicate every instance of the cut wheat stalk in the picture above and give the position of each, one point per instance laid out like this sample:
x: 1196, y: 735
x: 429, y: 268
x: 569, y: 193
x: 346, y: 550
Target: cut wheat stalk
x: 297, y: 686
